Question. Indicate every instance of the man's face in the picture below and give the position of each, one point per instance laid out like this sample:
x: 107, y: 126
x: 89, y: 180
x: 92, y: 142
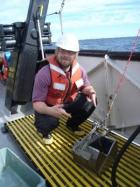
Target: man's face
x: 65, y: 57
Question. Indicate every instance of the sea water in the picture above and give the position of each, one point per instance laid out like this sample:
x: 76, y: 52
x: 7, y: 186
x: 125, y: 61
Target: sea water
x: 111, y: 44
x: 122, y: 44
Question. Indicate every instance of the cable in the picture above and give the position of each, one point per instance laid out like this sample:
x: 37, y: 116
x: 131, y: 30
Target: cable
x: 124, y: 148
x: 62, y: 6
x: 60, y: 15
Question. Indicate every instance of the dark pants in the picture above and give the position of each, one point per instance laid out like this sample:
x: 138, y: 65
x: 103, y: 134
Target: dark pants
x: 80, y: 110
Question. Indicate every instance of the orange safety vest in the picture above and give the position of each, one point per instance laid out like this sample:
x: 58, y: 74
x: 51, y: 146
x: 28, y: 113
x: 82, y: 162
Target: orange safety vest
x: 63, y: 89
x: 3, y: 69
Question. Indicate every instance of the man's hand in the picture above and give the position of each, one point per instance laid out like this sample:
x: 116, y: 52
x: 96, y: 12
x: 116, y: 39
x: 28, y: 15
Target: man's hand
x: 57, y: 111
x: 91, y: 94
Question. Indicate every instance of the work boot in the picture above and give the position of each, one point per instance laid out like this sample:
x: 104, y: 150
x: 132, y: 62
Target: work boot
x: 48, y: 140
x: 78, y: 131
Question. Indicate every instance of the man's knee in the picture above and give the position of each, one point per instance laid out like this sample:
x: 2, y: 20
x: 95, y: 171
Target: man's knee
x: 45, y: 123
x: 77, y: 104
x: 88, y: 107
x: 53, y: 122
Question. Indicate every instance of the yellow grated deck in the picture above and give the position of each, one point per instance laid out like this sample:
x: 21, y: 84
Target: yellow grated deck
x: 56, y: 161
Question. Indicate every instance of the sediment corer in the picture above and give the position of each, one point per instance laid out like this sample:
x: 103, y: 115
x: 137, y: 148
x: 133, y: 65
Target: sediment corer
x: 96, y: 151
x: 88, y: 138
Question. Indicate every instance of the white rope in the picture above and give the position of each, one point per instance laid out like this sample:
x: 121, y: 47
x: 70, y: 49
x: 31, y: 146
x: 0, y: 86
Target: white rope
x: 108, y: 88
x: 107, y: 77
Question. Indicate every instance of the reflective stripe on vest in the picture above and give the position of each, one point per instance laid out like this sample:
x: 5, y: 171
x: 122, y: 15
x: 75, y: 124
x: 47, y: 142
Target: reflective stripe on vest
x: 59, y: 86
x: 56, y: 68
x: 79, y: 83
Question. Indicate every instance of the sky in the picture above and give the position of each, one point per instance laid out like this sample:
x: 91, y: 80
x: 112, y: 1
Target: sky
x: 88, y: 19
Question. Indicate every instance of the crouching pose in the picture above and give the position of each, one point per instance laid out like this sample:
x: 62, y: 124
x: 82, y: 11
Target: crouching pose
x: 62, y: 88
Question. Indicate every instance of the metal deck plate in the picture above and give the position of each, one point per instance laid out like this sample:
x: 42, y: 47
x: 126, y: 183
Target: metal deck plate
x: 56, y: 163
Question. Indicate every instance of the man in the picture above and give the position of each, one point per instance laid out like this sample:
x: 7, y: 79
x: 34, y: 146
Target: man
x: 62, y: 88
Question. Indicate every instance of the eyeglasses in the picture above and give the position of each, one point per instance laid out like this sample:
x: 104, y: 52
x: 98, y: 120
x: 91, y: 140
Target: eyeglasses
x: 66, y: 51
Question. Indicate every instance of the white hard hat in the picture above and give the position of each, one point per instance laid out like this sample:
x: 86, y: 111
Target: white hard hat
x: 68, y: 42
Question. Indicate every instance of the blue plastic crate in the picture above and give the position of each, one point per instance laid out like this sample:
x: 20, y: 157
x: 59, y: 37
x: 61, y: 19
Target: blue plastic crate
x: 15, y: 173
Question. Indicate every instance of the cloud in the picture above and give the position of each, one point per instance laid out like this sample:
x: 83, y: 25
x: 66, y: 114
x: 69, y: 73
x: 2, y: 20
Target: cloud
x: 84, y: 17
x: 12, y: 11
x: 81, y: 17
